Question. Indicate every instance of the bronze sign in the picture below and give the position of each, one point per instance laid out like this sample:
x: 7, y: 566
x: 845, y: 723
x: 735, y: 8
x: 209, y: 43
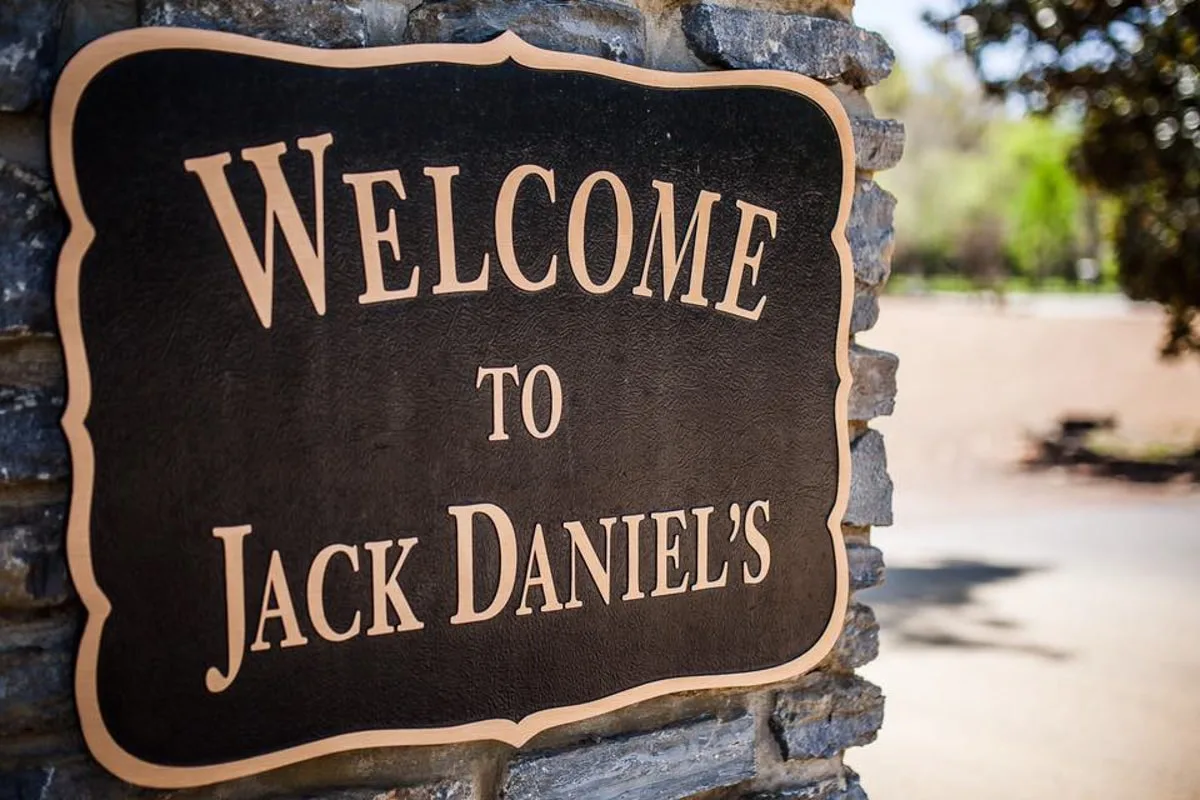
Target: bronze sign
x: 441, y: 392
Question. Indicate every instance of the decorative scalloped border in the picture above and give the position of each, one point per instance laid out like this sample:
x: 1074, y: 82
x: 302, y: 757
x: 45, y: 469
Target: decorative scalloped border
x: 90, y: 62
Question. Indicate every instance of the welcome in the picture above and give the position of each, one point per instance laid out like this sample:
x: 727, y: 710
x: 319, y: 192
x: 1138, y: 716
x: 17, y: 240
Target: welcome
x: 308, y: 250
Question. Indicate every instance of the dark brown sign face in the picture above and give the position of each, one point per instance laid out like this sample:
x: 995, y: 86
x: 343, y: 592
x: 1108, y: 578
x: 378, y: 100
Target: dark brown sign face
x: 437, y: 393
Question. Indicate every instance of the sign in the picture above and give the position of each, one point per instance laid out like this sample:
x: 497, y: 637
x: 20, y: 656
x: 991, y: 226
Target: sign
x: 438, y: 393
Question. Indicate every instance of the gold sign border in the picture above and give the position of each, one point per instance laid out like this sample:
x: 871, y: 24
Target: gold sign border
x: 92, y: 60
